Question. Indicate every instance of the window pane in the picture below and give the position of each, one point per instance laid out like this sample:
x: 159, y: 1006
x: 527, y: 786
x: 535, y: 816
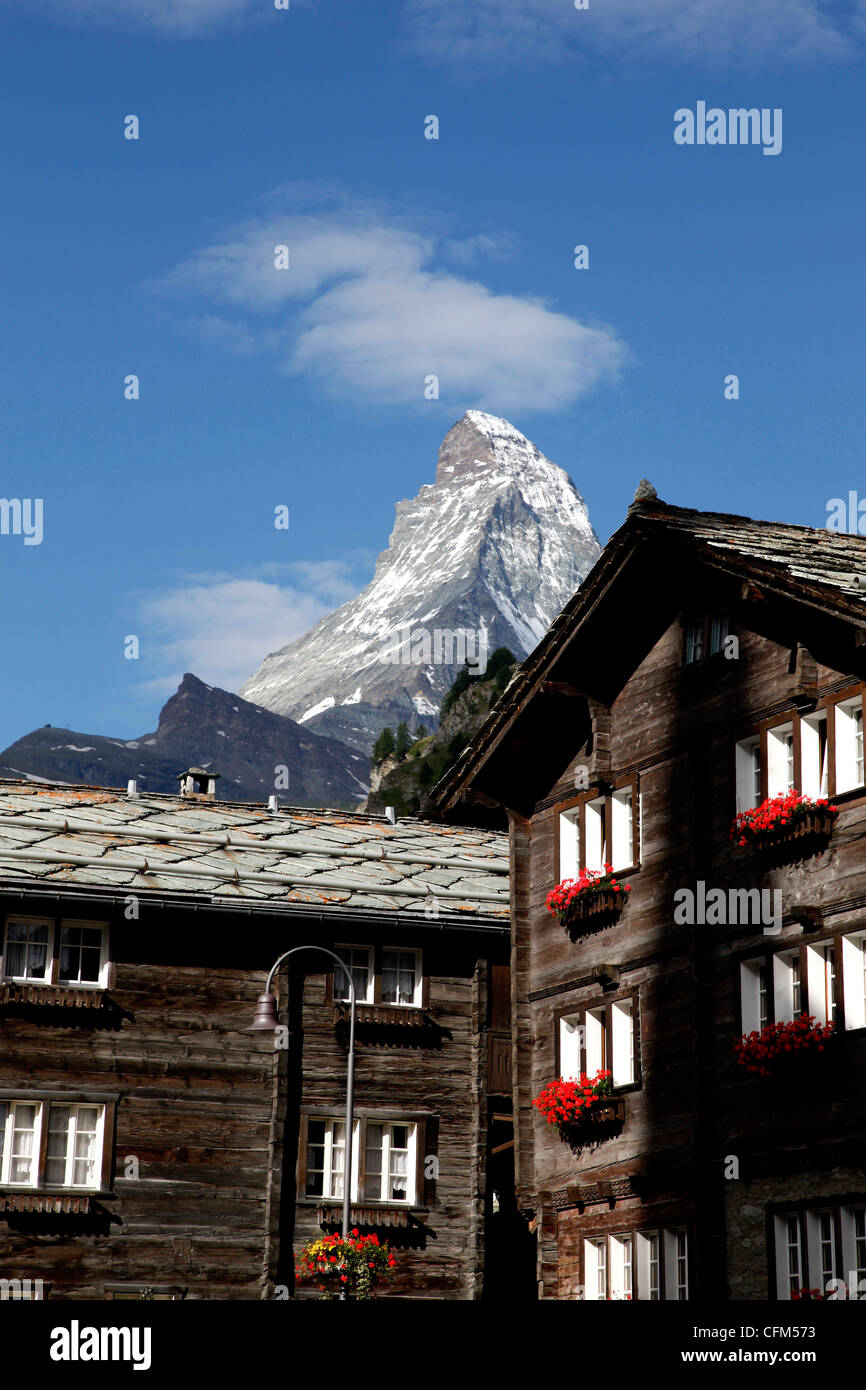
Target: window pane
x: 58, y: 1143
x: 358, y: 961
x: 315, y: 1158
x: 84, y: 1163
x: 374, y: 1162
x: 398, y: 977
x: 27, y: 950
x: 22, y: 1154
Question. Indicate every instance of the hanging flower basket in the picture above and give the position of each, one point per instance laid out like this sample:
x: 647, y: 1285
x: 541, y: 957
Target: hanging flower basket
x: 787, y: 821
x: 355, y: 1264
x: 592, y: 900
x: 583, y: 1110
x: 779, y: 1046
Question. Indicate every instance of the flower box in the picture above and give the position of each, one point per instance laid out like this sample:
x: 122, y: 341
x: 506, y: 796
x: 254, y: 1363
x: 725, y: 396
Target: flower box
x: 782, y: 1049
x: 584, y: 1109
x: 592, y: 900
x: 786, y: 822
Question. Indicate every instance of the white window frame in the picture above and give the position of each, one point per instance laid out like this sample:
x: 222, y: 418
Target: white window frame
x: 417, y: 995
x: 102, y: 979
x: 329, y: 1172
x: 781, y: 777
x: 815, y: 1244
x: 849, y: 744
x: 748, y: 770
x: 571, y: 1038
x: 569, y: 844
x: 622, y: 1041
x: 694, y: 641
x: 854, y: 979
x: 411, y: 1159
x: 6, y: 1148
x: 649, y: 1254
x: 348, y: 953
x: 785, y: 1275
x: 852, y: 1218
x: 610, y: 1262
x: 594, y: 821
x: 814, y: 758
x: 22, y: 919
x: 596, y: 1041
x: 622, y: 829
x: 820, y: 974
x: 750, y: 994
x: 786, y: 974
x: 71, y: 1136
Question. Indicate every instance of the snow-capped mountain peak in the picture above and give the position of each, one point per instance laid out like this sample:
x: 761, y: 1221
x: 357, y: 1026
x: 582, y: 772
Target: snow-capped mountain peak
x: 484, y: 557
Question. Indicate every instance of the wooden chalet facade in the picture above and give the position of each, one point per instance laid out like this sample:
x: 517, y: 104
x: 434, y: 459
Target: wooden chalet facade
x: 706, y: 664
x: 148, y: 1144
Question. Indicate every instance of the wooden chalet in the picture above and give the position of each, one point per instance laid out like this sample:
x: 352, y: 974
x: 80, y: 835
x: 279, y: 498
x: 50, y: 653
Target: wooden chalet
x: 149, y: 1145
x: 707, y: 664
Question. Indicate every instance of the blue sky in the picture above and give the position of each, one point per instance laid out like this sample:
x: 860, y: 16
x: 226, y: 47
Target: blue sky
x: 408, y: 256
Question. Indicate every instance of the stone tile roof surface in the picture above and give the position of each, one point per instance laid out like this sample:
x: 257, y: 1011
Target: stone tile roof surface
x: 88, y: 836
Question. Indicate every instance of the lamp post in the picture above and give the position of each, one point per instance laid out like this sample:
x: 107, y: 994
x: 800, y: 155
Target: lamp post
x: 266, y: 1021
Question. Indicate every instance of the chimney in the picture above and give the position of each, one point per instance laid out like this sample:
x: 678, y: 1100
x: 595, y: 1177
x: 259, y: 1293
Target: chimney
x: 391, y: 815
x: 273, y: 805
x: 197, y: 784
x: 132, y: 789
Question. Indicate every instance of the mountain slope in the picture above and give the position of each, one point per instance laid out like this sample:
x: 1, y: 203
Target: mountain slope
x: 494, y: 548
x: 201, y: 726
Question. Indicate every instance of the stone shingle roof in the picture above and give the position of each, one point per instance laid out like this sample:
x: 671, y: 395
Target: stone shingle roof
x: 812, y: 565
x: 93, y: 837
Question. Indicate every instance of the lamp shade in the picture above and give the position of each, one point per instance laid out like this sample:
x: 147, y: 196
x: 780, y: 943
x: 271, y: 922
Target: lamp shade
x: 266, y: 1020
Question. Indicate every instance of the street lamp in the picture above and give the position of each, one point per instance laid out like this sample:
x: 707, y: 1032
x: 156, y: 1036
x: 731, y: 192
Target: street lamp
x: 266, y: 1021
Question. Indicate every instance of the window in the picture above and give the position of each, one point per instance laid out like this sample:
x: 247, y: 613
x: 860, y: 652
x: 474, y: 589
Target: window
x: 854, y: 980
x: 718, y: 632
x: 569, y: 844
x: 595, y: 837
x: 360, y: 962
x: 622, y: 830
x: 821, y: 1247
x: 753, y: 988
x: 780, y: 760
x: 401, y: 977
x: 385, y: 1160
x: 600, y: 830
x: 630, y: 1265
x: 74, y: 1146
x: 648, y: 1283
x: 748, y: 774
x: 804, y: 979
x: 40, y: 950
x: 599, y: 1039
x: 326, y: 1157
x: 815, y: 767
x: 694, y: 641
x: 704, y: 636
x: 821, y: 967
x: 389, y: 1162
x: 849, y: 745
x: 74, y: 1151
x: 382, y: 975
x: 787, y: 992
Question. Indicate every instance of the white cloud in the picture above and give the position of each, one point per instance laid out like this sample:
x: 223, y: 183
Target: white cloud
x: 724, y: 33
x: 221, y: 626
x: 367, y: 309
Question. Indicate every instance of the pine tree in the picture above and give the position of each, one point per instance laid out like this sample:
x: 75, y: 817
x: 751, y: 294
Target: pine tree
x: 403, y: 742
x: 421, y: 732
x: 384, y: 746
